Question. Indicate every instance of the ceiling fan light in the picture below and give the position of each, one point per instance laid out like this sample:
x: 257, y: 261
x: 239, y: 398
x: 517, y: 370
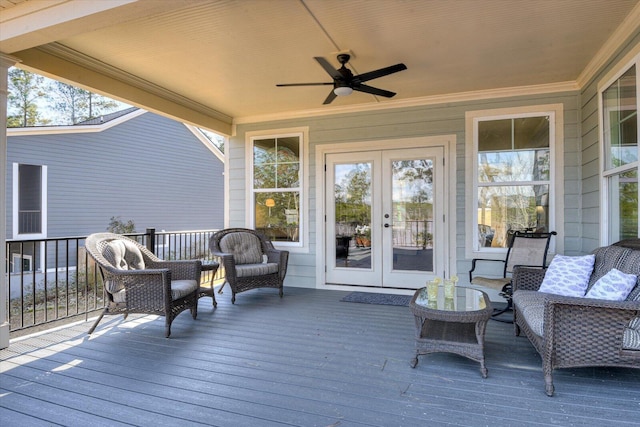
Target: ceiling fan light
x: 343, y: 91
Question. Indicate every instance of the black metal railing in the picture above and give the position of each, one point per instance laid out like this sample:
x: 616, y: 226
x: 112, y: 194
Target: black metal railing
x: 55, y: 279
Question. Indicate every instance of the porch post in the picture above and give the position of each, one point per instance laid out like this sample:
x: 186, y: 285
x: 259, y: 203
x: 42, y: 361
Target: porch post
x: 6, y: 61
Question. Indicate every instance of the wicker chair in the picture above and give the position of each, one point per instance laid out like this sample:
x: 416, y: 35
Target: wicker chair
x: 577, y: 332
x: 525, y: 249
x: 242, y: 253
x: 136, y: 281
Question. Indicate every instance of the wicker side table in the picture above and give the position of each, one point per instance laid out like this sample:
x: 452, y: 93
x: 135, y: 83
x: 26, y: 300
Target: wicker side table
x: 455, y: 325
x: 208, y: 291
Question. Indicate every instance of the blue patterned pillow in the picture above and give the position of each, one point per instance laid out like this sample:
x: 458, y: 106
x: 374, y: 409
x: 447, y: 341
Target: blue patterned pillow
x: 568, y: 275
x: 613, y: 286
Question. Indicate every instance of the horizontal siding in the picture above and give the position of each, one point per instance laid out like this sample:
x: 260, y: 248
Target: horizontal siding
x: 150, y: 169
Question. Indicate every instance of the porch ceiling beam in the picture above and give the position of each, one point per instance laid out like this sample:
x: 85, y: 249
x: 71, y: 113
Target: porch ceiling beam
x: 60, y: 63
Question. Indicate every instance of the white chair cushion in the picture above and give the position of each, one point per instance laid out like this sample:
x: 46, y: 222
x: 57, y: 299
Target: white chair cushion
x: 123, y: 255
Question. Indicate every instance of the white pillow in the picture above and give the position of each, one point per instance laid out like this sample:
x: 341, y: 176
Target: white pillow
x: 613, y: 286
x: 568, y: 275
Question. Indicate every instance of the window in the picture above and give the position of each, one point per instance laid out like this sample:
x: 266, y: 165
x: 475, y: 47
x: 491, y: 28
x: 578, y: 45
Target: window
x: 512, y: 153
x: 276, y: 186
x: 619, y: 124
x: 29, y: 200
x: 21, y: 263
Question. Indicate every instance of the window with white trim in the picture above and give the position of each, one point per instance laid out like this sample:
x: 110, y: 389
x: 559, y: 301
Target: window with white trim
x: 276, y: 186
x: 29, y: 200
x: 619, y: 106
x: 512, y: 177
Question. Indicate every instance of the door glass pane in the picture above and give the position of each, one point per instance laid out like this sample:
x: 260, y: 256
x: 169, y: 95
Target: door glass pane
x: 412, y: 215
x: 352, y: 192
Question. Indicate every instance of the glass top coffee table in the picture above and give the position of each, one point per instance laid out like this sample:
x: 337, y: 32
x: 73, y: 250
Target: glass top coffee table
x: 451, y: 325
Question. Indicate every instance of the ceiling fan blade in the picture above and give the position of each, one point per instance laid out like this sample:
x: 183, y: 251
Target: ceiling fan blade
x: 374, y: 91
x: 303, y: 84
x: 330, y: 98
x: 380, y: 73
x: 328, y: 67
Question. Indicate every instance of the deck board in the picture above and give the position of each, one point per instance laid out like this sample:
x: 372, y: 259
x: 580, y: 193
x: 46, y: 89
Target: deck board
x: 306, y: 359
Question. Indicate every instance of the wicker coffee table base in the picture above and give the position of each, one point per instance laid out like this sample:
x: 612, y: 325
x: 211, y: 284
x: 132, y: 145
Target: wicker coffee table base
x: 464, y: 339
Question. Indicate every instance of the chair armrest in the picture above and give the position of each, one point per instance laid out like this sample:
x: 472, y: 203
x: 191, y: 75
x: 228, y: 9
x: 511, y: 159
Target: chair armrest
x: 527, y: 278
x: 180, y: 269
x: 475, y: 260
x: 228, y: 263
x: 282, y: 258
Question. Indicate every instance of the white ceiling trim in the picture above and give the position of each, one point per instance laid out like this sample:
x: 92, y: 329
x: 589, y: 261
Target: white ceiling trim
x: 417, y: 102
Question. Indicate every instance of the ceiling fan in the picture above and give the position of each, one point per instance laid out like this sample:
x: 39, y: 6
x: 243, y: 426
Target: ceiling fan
x: 344, y: 82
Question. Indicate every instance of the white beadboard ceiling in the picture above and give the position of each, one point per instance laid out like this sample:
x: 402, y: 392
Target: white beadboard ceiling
x: 226, y: 56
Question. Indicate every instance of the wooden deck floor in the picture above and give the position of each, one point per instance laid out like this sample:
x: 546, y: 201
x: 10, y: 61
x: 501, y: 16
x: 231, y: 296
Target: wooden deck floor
x: 304, y: 360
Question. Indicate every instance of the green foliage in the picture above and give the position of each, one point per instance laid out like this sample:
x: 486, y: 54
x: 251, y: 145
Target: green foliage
x: 116, y: 225
x: 25, y: 89
x: 76, y: 104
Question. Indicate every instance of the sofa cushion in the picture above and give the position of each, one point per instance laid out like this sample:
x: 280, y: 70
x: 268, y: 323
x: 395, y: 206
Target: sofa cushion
x: 245, y: 247
x: 613, y: 286
x: 568, y: 275
x: 531, y: 306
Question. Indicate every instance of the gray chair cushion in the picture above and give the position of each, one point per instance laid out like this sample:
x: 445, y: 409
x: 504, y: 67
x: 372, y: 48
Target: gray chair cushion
x: 123, y: 255
x: 631, y: 337
x: 251, y: 270
x: 182, y: 288
x: 245, y: 247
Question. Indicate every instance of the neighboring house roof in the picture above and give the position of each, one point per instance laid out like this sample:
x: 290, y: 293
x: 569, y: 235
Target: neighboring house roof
x: 104, y: 118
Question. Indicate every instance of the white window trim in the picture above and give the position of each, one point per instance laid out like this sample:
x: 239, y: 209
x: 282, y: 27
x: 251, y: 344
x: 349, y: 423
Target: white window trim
x: 556, y: 143
x: 632, y: 59
x: 16, y: 206
x: 302, y: 132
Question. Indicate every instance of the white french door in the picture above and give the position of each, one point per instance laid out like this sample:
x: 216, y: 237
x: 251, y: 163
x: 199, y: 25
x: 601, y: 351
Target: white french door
x: 385, y: 217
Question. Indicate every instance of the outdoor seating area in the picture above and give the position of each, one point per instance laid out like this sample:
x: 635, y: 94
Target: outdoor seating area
x: 588, y: 316
x: 306, y: 359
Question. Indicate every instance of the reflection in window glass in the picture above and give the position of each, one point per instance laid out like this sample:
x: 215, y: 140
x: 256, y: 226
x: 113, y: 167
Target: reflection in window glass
x: 514, y: 173
x: 621, y: 121
x: 620, y: 174
x: 276, y: 185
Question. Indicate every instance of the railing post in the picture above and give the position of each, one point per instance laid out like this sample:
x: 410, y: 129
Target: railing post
x: 151, y: 239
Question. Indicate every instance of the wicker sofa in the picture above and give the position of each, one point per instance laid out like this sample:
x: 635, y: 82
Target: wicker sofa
x: 578, y: 331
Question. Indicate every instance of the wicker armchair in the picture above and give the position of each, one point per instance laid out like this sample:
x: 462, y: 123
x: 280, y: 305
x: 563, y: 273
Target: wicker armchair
x: 136, y: 281
x: 576, y: 331
x: 249, y: 259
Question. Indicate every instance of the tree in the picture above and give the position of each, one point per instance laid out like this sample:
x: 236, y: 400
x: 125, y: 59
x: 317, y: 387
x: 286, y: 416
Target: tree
x: 25, y: 89
x: 118, y: 226
x: 76, y: 104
